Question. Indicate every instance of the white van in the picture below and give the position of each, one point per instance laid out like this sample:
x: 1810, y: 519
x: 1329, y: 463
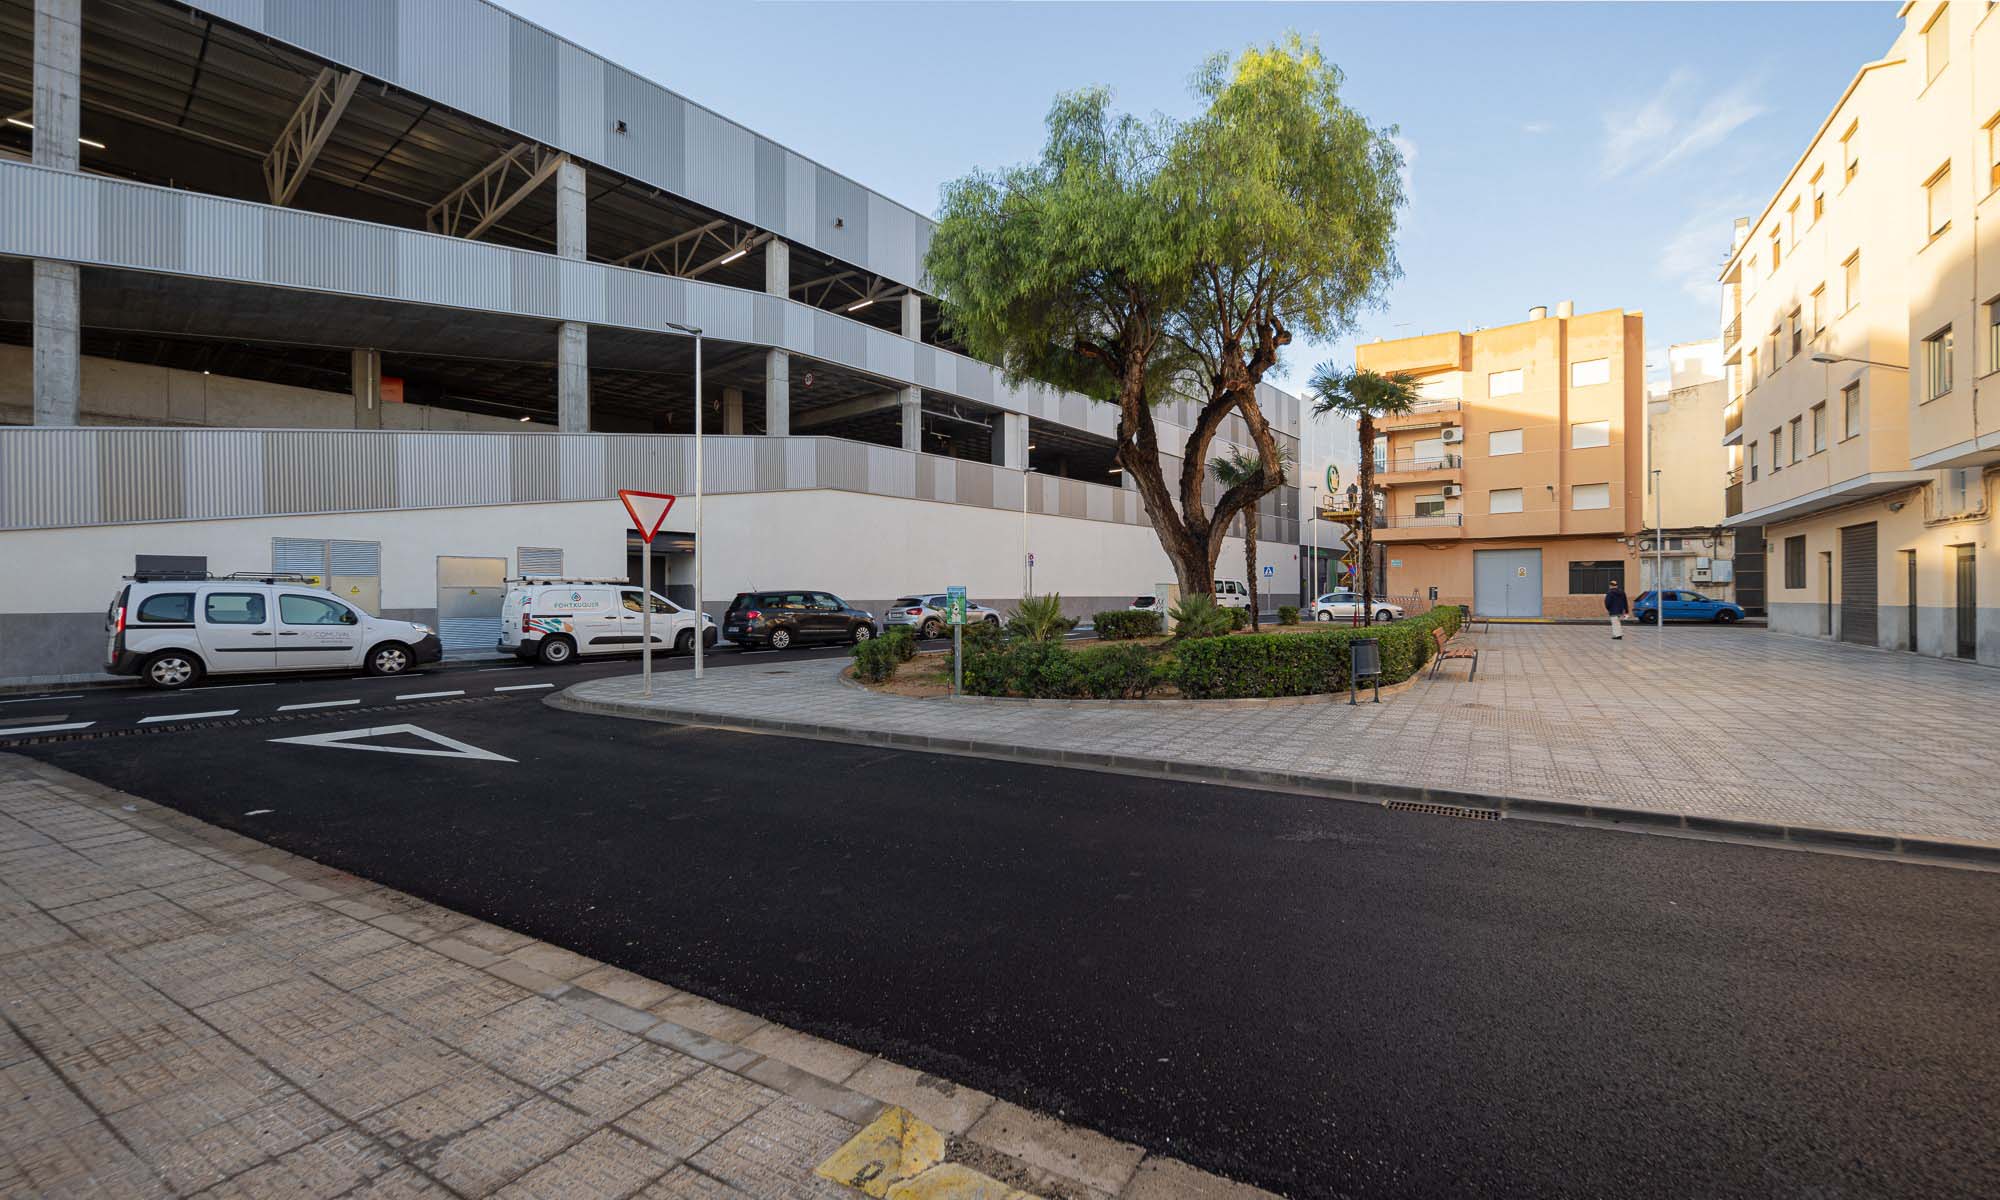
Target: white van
x: 172, y: 631
x: 555, y: 620
x: 1231, y: 594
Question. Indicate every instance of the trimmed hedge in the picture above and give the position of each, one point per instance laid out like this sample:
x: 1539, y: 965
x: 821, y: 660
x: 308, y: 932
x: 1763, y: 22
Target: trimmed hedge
x: 1125, y: 623
x: 904, y: 639
x: 1302, y: 664
x: 876, y: 659
x: 1239, y: 618
x: 1051, y: 671
x: 1288, y: 614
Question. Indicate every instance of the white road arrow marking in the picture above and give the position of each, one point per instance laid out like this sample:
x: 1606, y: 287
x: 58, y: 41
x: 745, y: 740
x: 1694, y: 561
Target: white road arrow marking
x: 355, y: 739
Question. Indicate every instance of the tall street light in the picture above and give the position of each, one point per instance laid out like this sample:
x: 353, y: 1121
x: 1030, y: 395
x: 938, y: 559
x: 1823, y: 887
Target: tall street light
x: 700, y: 633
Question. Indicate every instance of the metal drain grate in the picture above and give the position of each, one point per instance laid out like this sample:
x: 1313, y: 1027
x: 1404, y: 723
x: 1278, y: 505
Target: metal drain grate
x: 1443, y: 810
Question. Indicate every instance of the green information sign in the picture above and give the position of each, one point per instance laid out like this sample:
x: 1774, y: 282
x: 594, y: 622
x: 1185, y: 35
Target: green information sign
x: 955, y: 605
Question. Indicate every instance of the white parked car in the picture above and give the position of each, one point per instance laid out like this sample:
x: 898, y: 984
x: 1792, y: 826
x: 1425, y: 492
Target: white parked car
x: 1231, y: 594
x: 927, y: 613
x: 1346, y: 606
x: 554, y: 620
x: 1149, y: 604
x: 172, y: 631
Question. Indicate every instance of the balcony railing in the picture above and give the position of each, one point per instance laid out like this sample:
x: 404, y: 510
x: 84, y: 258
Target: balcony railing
x: 1410, y: 462
x: 1413, y: 521
x: 1732, y: 496
x: 1732, y: 417
x: 1428, y: 406
x: 1732, y: 332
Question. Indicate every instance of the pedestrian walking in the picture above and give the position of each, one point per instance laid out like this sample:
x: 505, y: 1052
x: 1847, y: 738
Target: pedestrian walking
x: 1616, y: 604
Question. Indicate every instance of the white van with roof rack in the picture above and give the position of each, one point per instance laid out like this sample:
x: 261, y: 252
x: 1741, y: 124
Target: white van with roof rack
x: 172, y: 629
x: 554, y: 620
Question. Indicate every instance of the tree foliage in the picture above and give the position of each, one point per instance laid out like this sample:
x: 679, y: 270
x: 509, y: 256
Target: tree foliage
x: 1139, y: 260
x: 1364, y: 395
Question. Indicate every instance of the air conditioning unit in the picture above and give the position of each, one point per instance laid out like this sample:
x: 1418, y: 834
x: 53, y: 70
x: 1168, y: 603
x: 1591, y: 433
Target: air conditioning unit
x: 1703, y: 577
x: 1453, y: 436
x: 1452, y: 490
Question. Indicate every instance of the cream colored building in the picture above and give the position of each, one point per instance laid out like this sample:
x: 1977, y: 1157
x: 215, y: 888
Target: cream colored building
x: 1515, y: 486
x: 1861, y: 325
x: 1683, y: 507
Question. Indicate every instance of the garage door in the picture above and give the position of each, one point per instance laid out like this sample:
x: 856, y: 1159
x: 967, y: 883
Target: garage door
x: 1857, y: 584
x: 470, y: 594
x: 1507, y: 583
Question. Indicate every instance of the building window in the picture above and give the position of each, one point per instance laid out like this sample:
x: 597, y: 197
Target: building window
x: 1937, y: 43
x: 1796, y: 330
x: 1753, y: 462
x: 1937, y: 201
x: 1504, y: 500
x: 1819, y: 310
x: 1819, y: 194
x: 1431, y: 505
x: 1504, y: 383
x: 1993, y: 153
x: 1754, y: 376
x: 1819, y: 427
x: 1850, y: 272
x: 1796, y: 439
x: 1586, y: 496
x: 1792, y: 226
x: 1503, y: 441
x: 1937, y: 364
x: 1795, y: 561
x: 1993, y: 334
x: 1777, y: 252
x: 1850, y: 153
x: 1777, y: 448
x: 1593, y: 578
x: 1585, y: 434
x: 1590, y: 371
x: 1850, y: 409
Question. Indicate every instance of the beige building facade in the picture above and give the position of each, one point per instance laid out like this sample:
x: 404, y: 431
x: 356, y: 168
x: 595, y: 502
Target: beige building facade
x: 1683, y: 544
x: 1516, y: 485
x: 1861, y: 333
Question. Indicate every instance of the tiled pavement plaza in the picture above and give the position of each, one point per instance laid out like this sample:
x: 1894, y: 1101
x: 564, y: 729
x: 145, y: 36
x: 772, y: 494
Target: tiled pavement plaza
x: 1736, y: 723
x: 185, y: 1012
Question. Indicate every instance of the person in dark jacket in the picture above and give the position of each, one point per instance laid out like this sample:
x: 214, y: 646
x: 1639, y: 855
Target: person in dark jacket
x: 1616, y: 604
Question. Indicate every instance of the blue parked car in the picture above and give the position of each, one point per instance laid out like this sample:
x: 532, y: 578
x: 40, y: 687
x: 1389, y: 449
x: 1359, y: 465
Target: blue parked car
x: 1685, y: 606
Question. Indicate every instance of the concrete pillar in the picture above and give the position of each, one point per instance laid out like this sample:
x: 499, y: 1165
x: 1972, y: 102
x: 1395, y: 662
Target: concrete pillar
x: 572, y: 223
x: 732, y: 410
x: 364, y: 379
x: 778, y: 267
x: 911, y: 403
x: 57, y: 120
x: 777, y: 393
x: 913, y: 316
x: 1010, y: 440
x: 573, y: 377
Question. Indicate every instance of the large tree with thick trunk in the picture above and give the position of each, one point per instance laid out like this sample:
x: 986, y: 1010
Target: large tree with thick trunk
x: 1141, y: 260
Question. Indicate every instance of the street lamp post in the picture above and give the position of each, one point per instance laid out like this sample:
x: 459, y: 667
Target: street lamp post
x: 700, y: 633
x: 1027, y: 564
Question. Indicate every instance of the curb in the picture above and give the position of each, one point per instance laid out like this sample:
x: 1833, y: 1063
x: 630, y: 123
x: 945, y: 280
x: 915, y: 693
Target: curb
x: 1366, y: 791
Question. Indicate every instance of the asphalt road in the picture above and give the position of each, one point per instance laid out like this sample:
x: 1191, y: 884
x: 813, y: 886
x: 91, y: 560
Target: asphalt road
x: 1326, y: 999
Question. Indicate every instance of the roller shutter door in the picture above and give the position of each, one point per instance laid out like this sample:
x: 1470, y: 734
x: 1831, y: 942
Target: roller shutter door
x: 1857, y: 584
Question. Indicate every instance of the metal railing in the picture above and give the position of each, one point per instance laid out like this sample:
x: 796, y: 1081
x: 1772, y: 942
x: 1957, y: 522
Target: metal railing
x: 1413, y: 521
x: 1410, y: 462
x: 1732, y: 332
x: 1732, y: 417
x: 1430, y: 406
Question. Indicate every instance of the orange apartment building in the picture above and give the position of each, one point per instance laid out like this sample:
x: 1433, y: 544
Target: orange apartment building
x: 1516, y: 486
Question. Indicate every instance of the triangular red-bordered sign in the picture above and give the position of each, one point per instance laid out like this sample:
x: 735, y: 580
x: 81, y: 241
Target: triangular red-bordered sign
x: 642, y: 506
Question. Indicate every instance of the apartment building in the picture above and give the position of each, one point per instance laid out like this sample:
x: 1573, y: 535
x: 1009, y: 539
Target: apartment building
x: 1682, y: 542
x: 1515, y: 486
x: 1861, y: 324
x: 401, y: 293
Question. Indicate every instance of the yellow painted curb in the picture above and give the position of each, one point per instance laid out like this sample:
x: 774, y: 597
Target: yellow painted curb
x: 951, y: 1181
x: 895, y: 1147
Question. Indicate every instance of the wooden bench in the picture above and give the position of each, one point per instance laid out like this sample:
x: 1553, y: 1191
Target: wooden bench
x: 1446, y: 651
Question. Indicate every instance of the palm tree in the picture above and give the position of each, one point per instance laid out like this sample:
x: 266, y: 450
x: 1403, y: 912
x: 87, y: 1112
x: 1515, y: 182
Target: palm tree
x: 1364, y: 395
x: 1242, y: 466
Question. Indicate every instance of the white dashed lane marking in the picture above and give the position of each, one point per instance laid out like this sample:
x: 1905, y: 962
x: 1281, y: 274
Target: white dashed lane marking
x: 523, y: 687
x: 46, y: 728
x: 429, y: 695
x: 316, y: 704
x: 200, y: 716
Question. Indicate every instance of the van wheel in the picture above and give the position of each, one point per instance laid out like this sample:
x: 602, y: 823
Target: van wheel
x: 172, y: 670
x: 389, y: 658
x: 932, y: 629
x: 781, y: 638
x: 556, y: 651
x: 684, y: 643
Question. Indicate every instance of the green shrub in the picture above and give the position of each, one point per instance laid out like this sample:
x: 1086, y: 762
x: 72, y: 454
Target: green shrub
x: 1126, y: 623
x: 1052, y: 671
x: 1121, y: 672
x: 903, y: 639
x: 1302, y: 664
x: 1196, y: 616
x: 1288, y: 614
x: 1239, y: 618
x: 1040, y: 619
x: 876, y: 659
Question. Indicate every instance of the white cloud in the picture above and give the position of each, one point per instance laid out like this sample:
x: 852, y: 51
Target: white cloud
x: 1692, y: 258
x: 1537, y: 127
x: 1675, y: 123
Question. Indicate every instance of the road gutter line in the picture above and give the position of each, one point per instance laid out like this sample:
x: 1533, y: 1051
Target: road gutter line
x: 430, y: 695
x: 220, y: 712
x: 524, y: 687
x: 316, y: 704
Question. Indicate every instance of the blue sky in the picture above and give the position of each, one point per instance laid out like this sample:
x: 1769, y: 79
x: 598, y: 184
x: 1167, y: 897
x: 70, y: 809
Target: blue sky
x: 1591, y: 152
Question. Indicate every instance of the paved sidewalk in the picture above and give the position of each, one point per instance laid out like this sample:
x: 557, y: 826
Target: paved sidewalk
x: 1730, y: 723
x: 189, y: 1012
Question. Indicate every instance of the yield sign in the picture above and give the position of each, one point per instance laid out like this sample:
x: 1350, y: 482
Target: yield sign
x: 355, y: 739
x: 647, y: 509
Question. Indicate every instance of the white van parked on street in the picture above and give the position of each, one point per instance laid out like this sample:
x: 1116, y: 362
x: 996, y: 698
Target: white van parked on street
x: 171, y: 631
x: 1231, y: 594
x: 555, y: 620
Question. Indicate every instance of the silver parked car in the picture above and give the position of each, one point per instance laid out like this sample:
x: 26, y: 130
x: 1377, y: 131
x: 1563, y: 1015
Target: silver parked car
x: 925, y: 613
x: 1346, y: 606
